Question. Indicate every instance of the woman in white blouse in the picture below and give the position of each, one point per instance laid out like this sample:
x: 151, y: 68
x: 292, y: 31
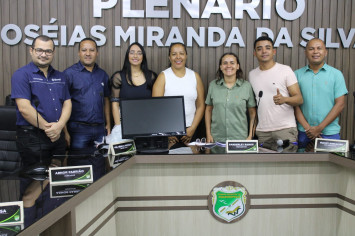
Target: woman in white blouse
x: 178, y: 80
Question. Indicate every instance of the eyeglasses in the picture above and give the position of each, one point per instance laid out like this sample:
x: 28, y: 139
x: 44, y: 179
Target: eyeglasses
x: 39, y: 51
x: 139, y: 53
x: 200, y: 144
x: 201, y: 141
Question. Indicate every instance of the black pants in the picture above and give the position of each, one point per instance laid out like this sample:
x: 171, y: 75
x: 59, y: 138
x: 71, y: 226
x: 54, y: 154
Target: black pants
x: 33, y: 145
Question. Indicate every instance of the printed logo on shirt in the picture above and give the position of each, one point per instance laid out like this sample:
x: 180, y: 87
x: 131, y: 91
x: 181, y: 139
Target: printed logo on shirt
x: 56, y: 80
x: 38, y: 79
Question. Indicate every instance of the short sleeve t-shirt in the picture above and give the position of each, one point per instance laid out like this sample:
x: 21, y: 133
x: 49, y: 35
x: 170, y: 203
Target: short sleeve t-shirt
x: 273, y: 117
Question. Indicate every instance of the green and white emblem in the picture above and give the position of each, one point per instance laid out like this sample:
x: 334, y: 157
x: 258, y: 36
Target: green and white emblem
x: 229, y: 203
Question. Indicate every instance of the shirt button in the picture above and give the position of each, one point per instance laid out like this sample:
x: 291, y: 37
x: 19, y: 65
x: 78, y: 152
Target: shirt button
x: 50, y: 89
x: 53, y: 99
x: 56, y: 109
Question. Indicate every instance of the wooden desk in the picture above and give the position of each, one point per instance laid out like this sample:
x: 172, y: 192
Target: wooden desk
x: 291, y: 194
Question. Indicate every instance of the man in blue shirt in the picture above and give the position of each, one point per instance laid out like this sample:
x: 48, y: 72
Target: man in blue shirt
x: 88, y: 86
x: 323, y: 89
x: 37, y: 87
x: 43, y: 107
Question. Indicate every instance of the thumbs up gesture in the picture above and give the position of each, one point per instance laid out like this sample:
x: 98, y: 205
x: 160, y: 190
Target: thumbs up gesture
x: 278, y: 98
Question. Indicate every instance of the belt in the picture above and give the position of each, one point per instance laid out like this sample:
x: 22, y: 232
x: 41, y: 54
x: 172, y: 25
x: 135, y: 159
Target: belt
x: 87, y: 124
x: 29, y: 127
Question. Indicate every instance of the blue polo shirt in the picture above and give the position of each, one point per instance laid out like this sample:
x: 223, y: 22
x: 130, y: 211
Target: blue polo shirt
x: 86, y: 90
x: 319, y: 92
x: 29, y: 83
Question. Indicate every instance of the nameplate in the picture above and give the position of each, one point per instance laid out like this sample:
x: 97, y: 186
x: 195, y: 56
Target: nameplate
x: 242, y: 146
x: 116, y: 160
x: 58, y: 191
x: 11, y: 213
x: 11, y: 230
x: 121, y: 151
x: 70, y: 175
x: 122, y: 147
x: 331, y: 145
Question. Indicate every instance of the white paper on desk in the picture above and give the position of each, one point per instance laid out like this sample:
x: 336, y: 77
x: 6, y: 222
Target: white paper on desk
x: 221, y: 144
x: 207, y: 145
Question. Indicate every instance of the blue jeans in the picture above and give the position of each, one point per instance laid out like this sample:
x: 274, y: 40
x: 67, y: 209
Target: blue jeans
x: 82, y: 141
x: 84, y: 135
x: 303, y: 140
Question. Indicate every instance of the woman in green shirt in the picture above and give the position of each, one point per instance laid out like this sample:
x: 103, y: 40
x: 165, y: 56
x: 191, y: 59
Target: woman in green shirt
x: 229, y: 99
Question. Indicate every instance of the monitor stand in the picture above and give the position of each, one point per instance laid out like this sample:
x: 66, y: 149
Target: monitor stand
x: 152, y: 144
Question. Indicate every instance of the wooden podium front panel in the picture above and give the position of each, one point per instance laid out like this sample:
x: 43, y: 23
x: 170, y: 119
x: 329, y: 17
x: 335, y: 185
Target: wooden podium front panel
x: 310, y: 208
x: 291, y: 194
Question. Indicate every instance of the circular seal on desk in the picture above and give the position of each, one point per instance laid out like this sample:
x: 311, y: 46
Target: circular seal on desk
x: 228, y: 202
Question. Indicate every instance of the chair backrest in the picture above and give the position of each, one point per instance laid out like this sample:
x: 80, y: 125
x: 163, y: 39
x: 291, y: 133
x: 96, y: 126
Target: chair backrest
x: 9, y: 101
x: 9, y: 157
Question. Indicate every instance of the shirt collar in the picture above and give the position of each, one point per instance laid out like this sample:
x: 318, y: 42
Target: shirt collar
x: 238, y: 83
x: 81, y: 67
x: 324, y: 67
x: 35, y: 68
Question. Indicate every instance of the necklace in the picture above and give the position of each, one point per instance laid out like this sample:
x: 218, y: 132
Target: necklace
x: 137, y: 75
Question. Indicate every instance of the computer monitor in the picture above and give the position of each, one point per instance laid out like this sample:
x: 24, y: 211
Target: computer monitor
x: 150, y: 121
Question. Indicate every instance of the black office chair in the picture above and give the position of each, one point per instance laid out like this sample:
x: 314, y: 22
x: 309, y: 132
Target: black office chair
x: 9, y: 157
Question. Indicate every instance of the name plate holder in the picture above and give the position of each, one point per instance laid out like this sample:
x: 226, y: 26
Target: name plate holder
x: 120, y: 152
x: 70, y: 175
x: 331, y: 145
x: 67, y: 181
x: 58, y: 191
x: 242, y: 146
x: 11, y: 213
x: 11, y: 230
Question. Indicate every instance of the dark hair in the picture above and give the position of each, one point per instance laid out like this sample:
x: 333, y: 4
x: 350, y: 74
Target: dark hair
x: 144, y: 66
x: 178, y: 43
x: 88, y: 39
x: 44, y: 38
x: 172, y: 45
x: 220, y: 74
x: 263, y: 38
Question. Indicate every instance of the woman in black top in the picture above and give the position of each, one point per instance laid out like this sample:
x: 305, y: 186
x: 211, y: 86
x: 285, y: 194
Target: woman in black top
x: 135, y: 80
